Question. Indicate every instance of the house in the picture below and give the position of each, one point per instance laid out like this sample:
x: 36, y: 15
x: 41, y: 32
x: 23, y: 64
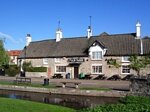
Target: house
x: 13, y: 54
x: 87, y: 55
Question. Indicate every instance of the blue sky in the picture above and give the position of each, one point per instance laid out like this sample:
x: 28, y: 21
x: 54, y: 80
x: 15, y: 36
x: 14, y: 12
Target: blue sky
x: 40, y: 18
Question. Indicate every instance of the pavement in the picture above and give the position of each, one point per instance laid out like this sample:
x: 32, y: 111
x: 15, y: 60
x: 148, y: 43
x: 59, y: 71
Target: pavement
x: 115, y: 85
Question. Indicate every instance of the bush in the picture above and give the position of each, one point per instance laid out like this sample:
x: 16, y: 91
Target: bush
x: 27, y: 66
x: 36, y: 69
x: 12, y: 70
x: 128, y: 104
x: 135, y: 100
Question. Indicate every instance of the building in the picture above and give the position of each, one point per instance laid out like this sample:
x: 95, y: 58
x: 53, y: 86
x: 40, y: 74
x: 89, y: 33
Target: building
x: 13, y: 54
x: 87, y: 55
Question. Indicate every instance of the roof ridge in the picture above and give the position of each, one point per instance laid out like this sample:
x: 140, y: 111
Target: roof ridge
x: 85, y: 37
x: 121, y: 34
x: 74, y: 37
x: 55, y: 39
x: 42, y: 40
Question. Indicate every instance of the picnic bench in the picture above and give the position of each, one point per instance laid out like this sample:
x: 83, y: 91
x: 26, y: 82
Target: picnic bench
x: 22, y: 80
x: 57, y: 76
x: 100, y: 77
x: 74, y: 83
x: 127, y: 77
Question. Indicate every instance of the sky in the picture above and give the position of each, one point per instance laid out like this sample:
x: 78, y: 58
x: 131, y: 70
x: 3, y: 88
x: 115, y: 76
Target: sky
x: 40, y: 18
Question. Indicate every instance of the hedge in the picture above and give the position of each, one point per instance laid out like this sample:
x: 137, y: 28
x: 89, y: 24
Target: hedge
x: 13, y: 70
x: 36, y: 69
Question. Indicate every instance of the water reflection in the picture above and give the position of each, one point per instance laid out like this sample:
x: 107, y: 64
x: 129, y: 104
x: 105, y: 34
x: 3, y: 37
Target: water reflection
x: 72, y: 101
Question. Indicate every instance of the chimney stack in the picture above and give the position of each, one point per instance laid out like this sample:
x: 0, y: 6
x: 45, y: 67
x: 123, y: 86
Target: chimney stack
x: 138, y: 30
x: 58, y: 35
x: 89, y: 32
x: 28, y: 39
x: 138, y: 36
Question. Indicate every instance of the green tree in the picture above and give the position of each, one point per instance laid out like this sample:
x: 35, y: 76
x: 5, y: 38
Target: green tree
x: 139, y: 62
x: 4, y: 57
x: 113, y: 62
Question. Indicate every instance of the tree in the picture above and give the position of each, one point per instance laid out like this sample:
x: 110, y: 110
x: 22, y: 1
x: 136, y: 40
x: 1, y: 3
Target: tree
x: 4, y: 57
x: 113, y: 62
x: 139, y: 62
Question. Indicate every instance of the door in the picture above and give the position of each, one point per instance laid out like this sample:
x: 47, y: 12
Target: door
x: 76, y: 72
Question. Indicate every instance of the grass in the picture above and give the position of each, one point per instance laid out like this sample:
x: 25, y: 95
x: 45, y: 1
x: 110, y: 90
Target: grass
x: 15, y: 105
x: 97, y: 89
x: 29, y: 85
x: 52, y: 86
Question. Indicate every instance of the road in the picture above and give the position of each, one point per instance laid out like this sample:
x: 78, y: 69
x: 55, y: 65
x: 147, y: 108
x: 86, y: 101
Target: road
x: 116, y: 85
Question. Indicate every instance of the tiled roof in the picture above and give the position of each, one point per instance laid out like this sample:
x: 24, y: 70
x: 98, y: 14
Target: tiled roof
x: 116, y: 45
x: 146, y: 46
x: 120, y: 44
x: 14, y: 52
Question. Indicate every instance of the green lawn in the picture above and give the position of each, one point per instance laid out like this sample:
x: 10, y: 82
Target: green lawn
x: 15, y: 105
x: 30, y: 85
x: 97, y: 89
x: 53, y: 86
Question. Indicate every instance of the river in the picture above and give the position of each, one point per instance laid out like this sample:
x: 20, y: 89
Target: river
x: 72, y: 101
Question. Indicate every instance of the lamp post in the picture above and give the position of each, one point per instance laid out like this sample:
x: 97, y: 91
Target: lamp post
x: 23, y: 64
x: 24, y: 73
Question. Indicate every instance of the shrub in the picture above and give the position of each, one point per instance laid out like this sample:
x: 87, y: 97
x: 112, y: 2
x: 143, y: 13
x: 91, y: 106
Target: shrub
x: 128, y: 104
x: 12, y: 70
x: 135, y: 100
x: 27, y: 66
x: 36, y: 69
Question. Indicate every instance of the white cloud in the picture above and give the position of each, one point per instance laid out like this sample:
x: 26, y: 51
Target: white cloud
x: 10, y: 38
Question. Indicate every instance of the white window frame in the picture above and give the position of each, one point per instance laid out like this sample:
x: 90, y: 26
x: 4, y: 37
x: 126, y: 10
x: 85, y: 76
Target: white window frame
x: 123, y: 59
x: 122, y: 69
x: 98, y: 57
x: 60, y: 71
x: 96, y: 72
x: 58, y: 60
x: 45, y: 61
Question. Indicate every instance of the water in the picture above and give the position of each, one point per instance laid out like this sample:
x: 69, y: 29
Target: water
x: 76, y: 102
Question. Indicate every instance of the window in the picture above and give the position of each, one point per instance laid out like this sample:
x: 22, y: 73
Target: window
x: 60, y: 69
x: 125, y: 58
x: 125, y: 69
x: 57, y: 60
x: 97, y: 55
x: 96, y: 69
x: 45, y: 61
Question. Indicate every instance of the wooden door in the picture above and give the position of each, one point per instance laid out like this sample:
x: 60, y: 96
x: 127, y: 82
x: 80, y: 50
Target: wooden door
x: 76, y: 72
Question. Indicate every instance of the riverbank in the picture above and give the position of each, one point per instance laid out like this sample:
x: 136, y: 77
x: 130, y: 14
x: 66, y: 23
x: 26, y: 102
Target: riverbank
x: 14, y: 105
x: 69, y: 91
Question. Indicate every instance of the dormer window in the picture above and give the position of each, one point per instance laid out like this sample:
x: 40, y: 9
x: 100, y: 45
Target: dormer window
x: 58, y: 60
x: 45, y: 61
x: 96, y: 55
x: 125, y: 59
x: 97, y: 50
